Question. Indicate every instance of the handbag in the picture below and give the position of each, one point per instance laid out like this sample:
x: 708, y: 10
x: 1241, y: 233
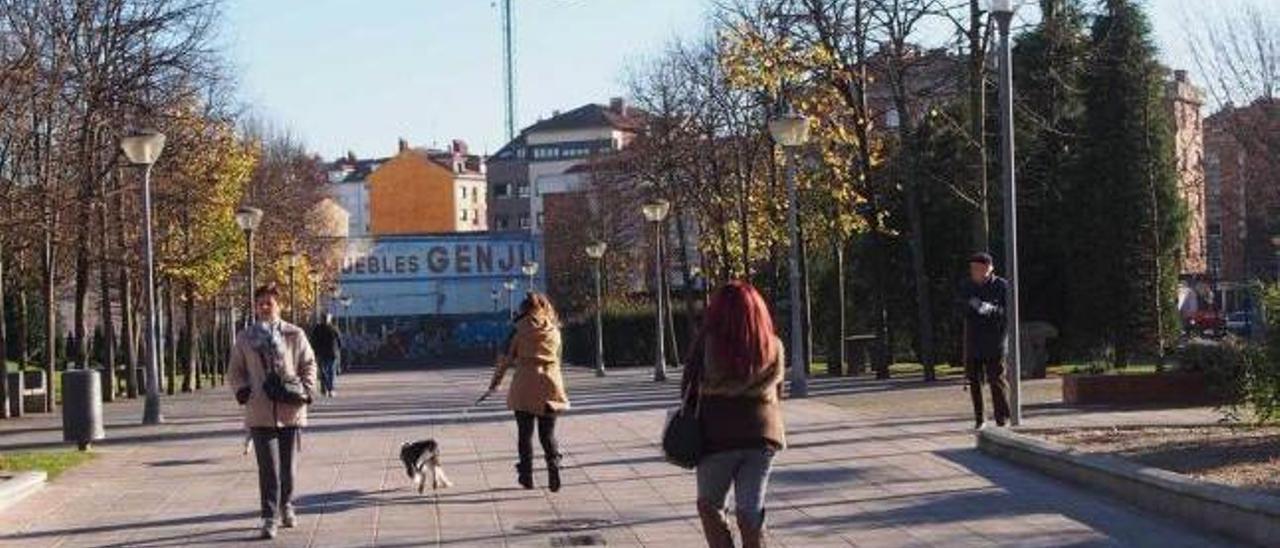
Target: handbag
x: 682, y: 436
x: 281, y: 388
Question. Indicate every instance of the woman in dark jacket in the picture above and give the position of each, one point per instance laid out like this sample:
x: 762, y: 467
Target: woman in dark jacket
x: 736, y: 374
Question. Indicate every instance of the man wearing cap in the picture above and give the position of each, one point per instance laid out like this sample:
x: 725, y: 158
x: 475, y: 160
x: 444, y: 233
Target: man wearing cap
x: 982, y: 301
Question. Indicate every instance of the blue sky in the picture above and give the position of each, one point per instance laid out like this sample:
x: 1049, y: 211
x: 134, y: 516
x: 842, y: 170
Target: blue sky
x: 356, y: 75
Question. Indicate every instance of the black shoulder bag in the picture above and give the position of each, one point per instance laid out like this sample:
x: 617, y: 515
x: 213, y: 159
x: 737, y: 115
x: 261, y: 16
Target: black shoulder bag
x: 682, y: 436
x: 283, y: 388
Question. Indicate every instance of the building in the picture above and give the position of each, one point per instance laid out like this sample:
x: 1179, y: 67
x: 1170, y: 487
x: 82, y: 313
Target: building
x: 540, y: 160
x: 417, y: 191
x: 424, y: 191
x: 349, y: 186
x: 1182, y: 102
x: 1242, y: 182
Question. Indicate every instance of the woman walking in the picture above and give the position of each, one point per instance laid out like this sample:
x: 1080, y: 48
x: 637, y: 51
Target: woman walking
x: 273, y: 374
x: 735, y: 379
x: 537, y: 393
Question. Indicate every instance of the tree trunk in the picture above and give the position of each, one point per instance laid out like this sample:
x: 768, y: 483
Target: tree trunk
x: 924, y: 314
x: 4, y: 343
x: 686, y: 270
x: 744, y: 222
x: 128, y: 334
x: 80, y: 350
x: 836, y: 359
x: 192, y: 380
x: 50, y: 316
x: 24, y: 327
x: 107, y: 322
x: 977, y: 123
x: 170, y: 340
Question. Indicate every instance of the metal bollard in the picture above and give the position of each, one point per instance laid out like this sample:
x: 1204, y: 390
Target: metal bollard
x: 82, y: 407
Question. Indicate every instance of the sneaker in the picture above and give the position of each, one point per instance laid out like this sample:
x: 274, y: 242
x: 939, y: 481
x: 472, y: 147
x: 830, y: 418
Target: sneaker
x: 290, y: 519
x: 268, y: 529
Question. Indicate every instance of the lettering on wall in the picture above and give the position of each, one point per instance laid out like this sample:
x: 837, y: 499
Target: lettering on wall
x: 430, y: 257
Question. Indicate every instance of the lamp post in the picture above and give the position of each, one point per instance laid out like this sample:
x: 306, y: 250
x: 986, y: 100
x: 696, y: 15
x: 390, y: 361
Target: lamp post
x: 345, y: 301
x: 493, y: 294
x: 314, y: 277
x: 791, y: 131
x: 1002, y: 10
x: 595, y: 251
x: 144, y: 149
x: 291, y: 258
x: 655, y: 212
x: 530, y: 269
x: 510, y: 286
x: 249, y: 218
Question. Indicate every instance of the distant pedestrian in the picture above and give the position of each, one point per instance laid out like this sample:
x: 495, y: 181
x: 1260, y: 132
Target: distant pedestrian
x: 327, y: 343
x: 537, y: 394
x: 734, y: 380
x: 982, y: 302
x: 273, y: 374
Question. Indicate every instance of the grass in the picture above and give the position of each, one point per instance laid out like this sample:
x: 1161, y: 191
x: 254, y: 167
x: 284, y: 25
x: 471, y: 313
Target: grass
x: 903, y: 369
x: 53, y: 463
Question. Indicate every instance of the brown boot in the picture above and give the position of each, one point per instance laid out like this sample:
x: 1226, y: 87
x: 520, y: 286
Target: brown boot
x: 752, y: 535
x: 714, y: 526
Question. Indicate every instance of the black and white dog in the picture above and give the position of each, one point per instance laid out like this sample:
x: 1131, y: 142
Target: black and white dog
x: 422, y: 459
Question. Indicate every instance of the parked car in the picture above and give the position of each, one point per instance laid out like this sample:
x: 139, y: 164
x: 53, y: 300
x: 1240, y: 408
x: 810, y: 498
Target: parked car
x: 1240, y: 324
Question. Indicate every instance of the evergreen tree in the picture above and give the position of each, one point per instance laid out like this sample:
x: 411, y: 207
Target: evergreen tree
x: 1048, y: 64
x: 1127, y: 215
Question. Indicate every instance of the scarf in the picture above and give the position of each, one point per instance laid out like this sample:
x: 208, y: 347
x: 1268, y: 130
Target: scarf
x: 268, y: 340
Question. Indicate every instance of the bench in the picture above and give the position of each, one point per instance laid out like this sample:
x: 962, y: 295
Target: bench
x: 35, y: 388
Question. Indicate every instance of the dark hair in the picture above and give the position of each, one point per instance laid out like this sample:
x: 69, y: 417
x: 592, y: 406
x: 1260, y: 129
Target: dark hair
x: 981, y: 257
x: 539, y: 306
x: 268, y: 290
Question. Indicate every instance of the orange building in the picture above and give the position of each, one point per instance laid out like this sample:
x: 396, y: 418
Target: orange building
x: 423, y: 191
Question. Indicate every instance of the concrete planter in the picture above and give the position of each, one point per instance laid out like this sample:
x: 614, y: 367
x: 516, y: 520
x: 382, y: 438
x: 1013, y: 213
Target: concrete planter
x: 1146, y: 389
x: 1235, y: 513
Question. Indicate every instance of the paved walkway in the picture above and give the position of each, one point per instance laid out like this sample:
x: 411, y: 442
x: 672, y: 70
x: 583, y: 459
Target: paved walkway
x: 898, y: 471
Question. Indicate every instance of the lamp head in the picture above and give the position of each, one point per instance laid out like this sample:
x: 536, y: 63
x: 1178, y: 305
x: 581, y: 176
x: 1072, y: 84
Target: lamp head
x: 143, y: 147
x: 248, y: 218
x: 529, y: 268
x: 1002, y: 7
x: 656, y: 211
x: 595, y: 250
x: 789, y: 130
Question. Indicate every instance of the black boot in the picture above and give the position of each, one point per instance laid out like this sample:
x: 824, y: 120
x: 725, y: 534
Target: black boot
x: 553, y: 474
x: 524, y: 474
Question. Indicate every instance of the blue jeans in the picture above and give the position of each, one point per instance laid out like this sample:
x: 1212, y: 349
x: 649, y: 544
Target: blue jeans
x: 328, y: 368
x: 747, y: 470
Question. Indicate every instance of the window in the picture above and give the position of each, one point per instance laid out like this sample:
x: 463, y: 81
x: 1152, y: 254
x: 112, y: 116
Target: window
x: 540, y: 219
x: 891, y: 119
x: 464, y: 214
x: 523, y: 190
x: 524, y: 220
x: 501, y: 190
x: 475, y: 195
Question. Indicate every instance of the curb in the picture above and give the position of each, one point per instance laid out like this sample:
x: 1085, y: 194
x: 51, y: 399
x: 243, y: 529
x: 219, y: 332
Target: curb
x: 1235, y: 513
x: 17, y: 486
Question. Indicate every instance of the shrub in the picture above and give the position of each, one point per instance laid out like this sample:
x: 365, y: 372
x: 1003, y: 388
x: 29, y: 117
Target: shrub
x: 1223, y: 363
x: 628, y: 335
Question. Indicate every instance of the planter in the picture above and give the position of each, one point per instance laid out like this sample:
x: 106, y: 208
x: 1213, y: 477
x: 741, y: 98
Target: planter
x: 1153, y: 388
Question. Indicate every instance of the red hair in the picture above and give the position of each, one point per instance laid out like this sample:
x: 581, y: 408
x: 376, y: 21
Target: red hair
x: 739, y: 328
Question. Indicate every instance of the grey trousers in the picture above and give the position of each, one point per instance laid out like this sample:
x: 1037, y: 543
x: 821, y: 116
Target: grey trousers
x: 274, y: 448
x: 747, y: 470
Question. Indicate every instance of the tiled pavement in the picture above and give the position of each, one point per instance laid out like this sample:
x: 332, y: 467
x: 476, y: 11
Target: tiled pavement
x: 889, y: 464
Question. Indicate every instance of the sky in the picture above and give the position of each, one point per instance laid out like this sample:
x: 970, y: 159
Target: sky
x: 359, y: 74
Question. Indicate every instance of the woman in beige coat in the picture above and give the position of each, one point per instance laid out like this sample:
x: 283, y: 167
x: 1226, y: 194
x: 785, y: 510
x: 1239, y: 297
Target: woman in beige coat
x: 537, y: 388
x: 272, y: 344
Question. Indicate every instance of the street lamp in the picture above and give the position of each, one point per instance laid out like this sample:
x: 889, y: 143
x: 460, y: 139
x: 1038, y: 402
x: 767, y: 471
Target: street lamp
x: 1002, y: 10
x: 530, y: 269
x: 291, y: 258
x: 314, y: 277
x: 493, y: 294
x: 144, y: 149
x: 595, y: 251
x: 510, y: 286
x: 249, y: 218
x: 791, y: 131
x: 655, y: 212
x: 345, y: 301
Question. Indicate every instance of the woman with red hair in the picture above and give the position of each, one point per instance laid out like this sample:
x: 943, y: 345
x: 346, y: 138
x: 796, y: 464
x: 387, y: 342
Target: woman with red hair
x: 735, y: 375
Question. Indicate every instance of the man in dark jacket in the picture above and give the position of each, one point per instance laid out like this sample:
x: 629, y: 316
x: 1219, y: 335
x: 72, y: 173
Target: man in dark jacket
x: 982, y: 301
x: 327, y: 344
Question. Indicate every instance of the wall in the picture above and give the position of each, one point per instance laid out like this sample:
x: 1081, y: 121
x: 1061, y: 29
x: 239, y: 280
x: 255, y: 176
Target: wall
x: 471, y: 199
x: 410, y: 194
x: 354, y: 198
x: 1183, y: 102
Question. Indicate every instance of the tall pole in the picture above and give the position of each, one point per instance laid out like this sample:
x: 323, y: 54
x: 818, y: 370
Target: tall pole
x: 248, y: 243
x: 660, y: 351
x: 799, y: 375
x: 599, y: 324
x: 508, y: 69
x: 1003, y: 18
x: 293, y: 302
x: 151, y: 406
